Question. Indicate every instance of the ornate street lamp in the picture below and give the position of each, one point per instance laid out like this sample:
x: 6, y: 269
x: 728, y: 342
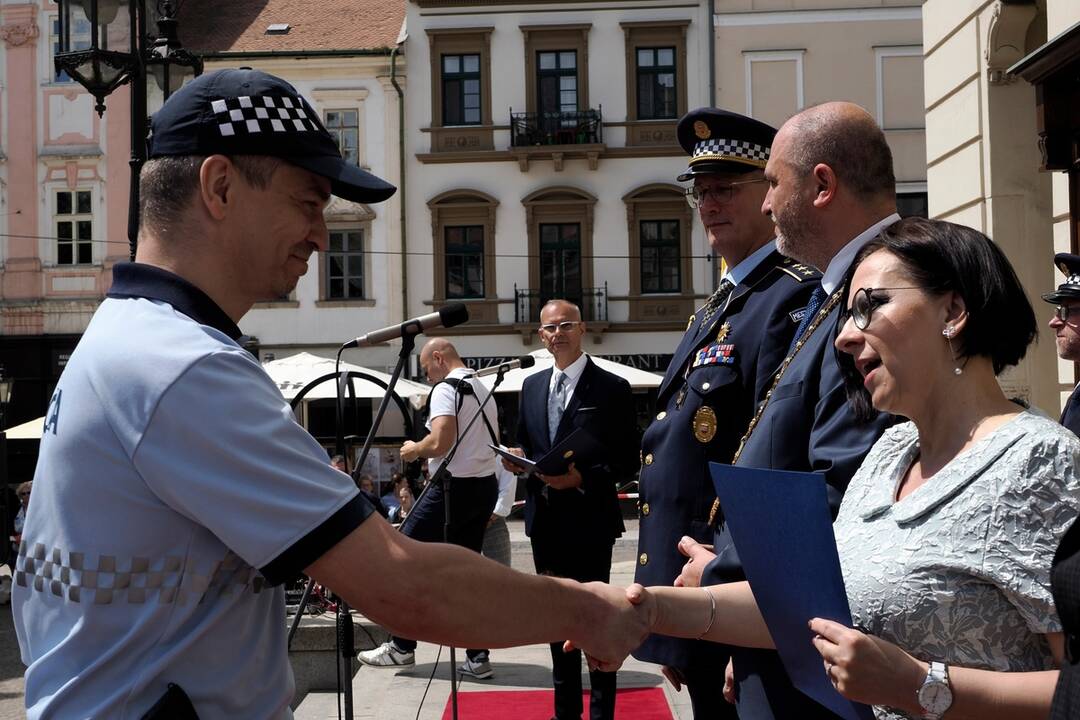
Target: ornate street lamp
x: 121, y: 51
x: 112, y: 58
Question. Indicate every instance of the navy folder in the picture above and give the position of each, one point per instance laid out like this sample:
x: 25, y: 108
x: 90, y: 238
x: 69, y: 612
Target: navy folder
x: 579, y: 447
x: 782, y: 528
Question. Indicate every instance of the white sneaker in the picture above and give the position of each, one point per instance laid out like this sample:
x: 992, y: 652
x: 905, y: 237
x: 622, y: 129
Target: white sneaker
x: 386, y: 655
x: 479, y: 669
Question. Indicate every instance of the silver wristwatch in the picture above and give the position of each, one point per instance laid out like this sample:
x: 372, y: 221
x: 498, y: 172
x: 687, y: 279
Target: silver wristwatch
x: 935, y: 695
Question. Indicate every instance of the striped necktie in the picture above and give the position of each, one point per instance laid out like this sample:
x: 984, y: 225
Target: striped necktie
x: 556, y: 403
x: 716, y: 300
x: 816, y: 298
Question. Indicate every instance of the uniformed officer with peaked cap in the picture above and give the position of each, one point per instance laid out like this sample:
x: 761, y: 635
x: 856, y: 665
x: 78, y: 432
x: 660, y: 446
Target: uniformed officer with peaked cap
x: 719, y: 372
x: 1066, y: 326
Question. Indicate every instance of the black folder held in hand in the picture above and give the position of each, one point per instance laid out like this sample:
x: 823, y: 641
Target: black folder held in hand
x: 579, y: 447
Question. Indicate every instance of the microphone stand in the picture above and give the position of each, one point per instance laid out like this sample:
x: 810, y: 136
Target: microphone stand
x: 345, y: 639
x: 442, y: 473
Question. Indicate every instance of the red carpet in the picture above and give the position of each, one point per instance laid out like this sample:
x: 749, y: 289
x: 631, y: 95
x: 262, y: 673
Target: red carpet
x: 630, y: 704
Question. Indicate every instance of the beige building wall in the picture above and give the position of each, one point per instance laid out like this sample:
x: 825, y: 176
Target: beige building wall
x: 1060, y: 16
x: 983, y: 158
x: 775, y: 57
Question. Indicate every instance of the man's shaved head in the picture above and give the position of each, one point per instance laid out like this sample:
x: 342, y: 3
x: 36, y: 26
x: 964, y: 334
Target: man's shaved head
x: 845, y: 137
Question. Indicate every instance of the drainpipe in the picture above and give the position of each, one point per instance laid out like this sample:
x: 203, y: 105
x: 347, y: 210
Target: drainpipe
x: 401, y: 183
x: 711, y: 25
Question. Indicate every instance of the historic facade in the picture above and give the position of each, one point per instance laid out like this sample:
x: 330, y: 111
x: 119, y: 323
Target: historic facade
x: 985, y: 165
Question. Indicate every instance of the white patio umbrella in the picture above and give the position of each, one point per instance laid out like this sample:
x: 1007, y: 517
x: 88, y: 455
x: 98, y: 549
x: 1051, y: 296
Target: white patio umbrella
x: 293, y: 373
x: 638, y: 379
x: 29, y: 430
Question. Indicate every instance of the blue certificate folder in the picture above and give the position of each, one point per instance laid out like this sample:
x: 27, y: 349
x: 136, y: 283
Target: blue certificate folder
x: 782, y: 528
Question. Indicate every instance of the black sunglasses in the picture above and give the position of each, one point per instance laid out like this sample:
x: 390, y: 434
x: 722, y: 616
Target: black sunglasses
x: 864, y: 303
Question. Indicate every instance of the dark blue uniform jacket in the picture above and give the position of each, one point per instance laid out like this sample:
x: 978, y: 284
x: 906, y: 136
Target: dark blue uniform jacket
x: 705, y: 404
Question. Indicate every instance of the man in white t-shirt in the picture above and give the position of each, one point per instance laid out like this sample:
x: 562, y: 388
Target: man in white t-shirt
x: 469, y: 480
x: 175, y: 493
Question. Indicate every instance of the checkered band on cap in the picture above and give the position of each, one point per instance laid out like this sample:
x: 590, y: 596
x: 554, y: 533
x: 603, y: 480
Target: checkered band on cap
x: 1072, y: 279
x: 733, y: 150
x: 249, y: 115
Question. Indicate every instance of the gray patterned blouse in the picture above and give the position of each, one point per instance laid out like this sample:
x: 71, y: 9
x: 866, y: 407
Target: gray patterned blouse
x: 959, y: 570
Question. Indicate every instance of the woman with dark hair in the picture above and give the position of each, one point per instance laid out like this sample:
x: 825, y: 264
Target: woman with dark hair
x: 947, y: 530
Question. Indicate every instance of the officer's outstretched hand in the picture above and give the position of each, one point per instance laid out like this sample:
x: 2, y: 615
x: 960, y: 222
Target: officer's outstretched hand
x: 625, y: 627
x: 700, y: 556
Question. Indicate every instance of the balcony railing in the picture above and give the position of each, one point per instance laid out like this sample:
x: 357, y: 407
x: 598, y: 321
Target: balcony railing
x: 528, y: 301
x: 582, y: 127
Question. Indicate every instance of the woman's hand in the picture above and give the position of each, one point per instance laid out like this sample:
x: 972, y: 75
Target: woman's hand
x: 868, y: 669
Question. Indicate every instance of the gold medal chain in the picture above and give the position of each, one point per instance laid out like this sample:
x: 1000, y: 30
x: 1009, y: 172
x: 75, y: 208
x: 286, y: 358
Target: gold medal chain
x: 820, y: 318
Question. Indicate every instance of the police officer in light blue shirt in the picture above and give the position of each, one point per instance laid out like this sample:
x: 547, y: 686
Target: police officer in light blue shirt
x: 175, y: 492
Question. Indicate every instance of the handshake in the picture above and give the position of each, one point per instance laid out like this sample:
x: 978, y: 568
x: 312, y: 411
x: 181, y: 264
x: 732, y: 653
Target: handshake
x: 635, y: 612
x: 627, y: 617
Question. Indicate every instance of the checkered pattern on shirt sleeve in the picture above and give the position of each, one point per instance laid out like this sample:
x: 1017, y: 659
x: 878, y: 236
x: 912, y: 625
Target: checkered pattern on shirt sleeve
x: 262, y: 114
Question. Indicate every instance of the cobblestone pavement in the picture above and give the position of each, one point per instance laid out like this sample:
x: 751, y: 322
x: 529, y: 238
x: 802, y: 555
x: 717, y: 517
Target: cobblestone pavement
x: 11, y: 668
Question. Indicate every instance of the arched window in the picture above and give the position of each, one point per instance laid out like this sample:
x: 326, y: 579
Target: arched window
x: 463, y: 238
x: 659, y: 227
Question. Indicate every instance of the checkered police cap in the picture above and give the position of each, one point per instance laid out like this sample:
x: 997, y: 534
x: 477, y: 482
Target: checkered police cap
x: 1069, y: 265
x: 248, y: 112
x: 721, y: 149
x: 721, y: 141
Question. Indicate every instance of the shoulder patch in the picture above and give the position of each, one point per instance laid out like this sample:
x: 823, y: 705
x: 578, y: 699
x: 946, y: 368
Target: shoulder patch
x: 798, y: 270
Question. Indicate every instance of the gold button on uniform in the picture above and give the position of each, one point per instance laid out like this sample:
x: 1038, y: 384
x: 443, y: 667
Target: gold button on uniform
x: 643, y: 559
x: 648, y: 459
x: 645, y: 509
x: 661, y: 415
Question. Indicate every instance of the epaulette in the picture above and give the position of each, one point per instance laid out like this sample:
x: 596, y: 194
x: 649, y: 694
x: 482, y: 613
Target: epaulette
x: 798, y: 270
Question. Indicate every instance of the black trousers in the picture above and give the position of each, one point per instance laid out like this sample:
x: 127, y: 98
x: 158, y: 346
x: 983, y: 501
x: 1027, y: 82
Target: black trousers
x: 584, y: 562
x: 705, y: 683
x: 471, y: 503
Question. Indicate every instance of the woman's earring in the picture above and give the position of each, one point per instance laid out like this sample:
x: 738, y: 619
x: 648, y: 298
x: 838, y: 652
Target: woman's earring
x: 948, y: 332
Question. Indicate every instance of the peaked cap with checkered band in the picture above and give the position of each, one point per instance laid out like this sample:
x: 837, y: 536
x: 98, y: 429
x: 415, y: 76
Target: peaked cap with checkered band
x: 1069, y: 265
x: 249, y: 112
x: 720, y: 141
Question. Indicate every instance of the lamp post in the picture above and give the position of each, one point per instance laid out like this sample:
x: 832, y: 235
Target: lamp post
x: 5, y: 395
x: 121, y: 51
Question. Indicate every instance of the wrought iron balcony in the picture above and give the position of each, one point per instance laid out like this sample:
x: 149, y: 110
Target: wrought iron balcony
x: 528, y: 301
x: 581, y: 127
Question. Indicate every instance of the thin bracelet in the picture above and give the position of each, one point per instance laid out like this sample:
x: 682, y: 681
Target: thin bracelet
x: 712, y: 613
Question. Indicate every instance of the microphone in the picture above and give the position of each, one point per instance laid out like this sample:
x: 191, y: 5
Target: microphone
x: 448, y: 317
x: 525, y: 361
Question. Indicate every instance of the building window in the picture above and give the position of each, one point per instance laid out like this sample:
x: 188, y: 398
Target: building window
x: 461, y: 89
x: 463, y: 240
x: 556, y: 78
x: 559, y: 223
x: 344, y: 125
x: 656, y: 97
x: 914, y: 204
x: 464, y: 261
x: 80, y: 40
x: 660, y: 257
x: 74, y: 227
x: 560, y: 262
x: 345, y: 265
